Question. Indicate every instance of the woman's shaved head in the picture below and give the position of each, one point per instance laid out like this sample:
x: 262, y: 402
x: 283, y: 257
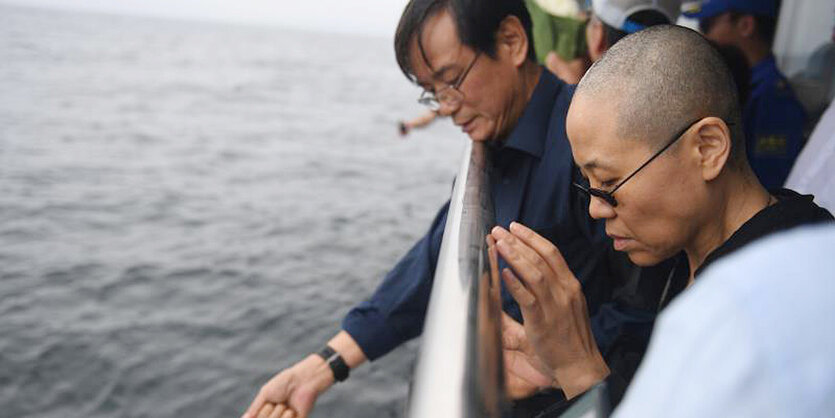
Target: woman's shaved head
x: 660, y: 79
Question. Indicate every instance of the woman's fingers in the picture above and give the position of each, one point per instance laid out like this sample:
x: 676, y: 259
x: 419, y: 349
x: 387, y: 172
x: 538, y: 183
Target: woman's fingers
x: 550, y: 253
x: 520, y: 365
x: 526, y: 300
x: 529, y: 266
x: 513, y: 334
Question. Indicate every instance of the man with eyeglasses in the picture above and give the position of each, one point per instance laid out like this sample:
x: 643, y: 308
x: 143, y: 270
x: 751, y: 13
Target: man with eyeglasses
x: 477, y: 66
x: 665, y: 158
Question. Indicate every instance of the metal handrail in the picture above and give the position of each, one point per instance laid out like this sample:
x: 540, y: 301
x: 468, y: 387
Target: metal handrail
x: 459, y: 371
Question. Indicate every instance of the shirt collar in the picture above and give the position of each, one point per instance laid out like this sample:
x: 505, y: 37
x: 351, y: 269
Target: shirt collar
x: 531, y: 129
x: 792, y: 209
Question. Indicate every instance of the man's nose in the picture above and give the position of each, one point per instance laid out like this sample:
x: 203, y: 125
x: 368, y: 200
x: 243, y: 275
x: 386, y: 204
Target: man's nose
x: 448, y: 108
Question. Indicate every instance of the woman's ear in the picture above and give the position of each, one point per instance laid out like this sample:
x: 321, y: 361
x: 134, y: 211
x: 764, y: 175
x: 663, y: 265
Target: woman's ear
x: 512, y: 40
x: 714, y: 145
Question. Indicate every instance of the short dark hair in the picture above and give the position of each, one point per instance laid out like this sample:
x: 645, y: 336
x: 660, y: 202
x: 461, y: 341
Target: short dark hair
x: 644, y: 18
x: 476, y: 21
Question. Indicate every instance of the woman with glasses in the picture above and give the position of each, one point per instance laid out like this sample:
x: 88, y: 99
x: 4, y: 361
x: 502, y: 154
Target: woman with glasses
x: 667, y: 172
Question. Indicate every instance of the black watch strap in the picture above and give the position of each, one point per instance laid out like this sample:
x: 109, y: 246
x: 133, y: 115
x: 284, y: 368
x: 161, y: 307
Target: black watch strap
x: 335, y: 362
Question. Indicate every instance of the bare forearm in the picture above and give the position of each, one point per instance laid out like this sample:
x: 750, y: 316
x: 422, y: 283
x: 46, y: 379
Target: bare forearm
x: 350, y: 351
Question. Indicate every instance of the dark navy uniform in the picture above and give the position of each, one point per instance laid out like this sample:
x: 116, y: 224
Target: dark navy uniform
x: 773, y: 119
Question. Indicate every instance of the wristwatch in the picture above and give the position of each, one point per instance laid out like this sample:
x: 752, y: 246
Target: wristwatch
x: 335, y: 362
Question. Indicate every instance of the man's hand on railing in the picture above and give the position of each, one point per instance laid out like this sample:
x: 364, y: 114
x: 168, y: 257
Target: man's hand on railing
x: 554, y: 307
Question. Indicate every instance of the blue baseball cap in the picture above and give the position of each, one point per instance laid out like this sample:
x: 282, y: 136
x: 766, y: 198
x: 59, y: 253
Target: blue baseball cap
x: 710, y: 8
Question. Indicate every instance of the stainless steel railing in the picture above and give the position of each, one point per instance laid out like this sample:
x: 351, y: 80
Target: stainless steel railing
x: 459, y: 369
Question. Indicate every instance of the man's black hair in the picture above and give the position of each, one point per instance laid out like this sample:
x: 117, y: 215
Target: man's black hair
x: 477, y: 22
x: 644, y: 18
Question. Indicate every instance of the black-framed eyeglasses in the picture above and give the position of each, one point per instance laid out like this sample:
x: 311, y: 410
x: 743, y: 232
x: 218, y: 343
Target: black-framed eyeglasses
x: 609, y: 197
x: 449, y: 94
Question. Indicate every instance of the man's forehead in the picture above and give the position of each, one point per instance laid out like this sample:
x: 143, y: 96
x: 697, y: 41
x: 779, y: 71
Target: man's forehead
x: 438, y: 49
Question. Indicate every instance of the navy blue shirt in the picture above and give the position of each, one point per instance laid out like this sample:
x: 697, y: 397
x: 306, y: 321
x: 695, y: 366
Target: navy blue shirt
x: 773, y: 119
x: 531, y: 180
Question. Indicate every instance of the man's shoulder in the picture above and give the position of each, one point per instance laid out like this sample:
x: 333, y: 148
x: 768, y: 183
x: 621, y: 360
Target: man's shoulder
x: 562, y: 101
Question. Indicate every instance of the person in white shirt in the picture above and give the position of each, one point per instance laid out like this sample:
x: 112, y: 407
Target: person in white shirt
x: 752, y: 338
x: 814, y: 170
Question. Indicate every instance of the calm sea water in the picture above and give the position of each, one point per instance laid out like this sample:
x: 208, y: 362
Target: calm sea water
x: 187, y: 208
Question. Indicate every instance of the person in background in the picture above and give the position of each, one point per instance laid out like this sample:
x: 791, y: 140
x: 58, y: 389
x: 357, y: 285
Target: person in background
x: 773, y: 117
x: 665, y: 158
x: 736, y: 62
x: 745, y: 341
x: 559, y: 34
x: 419, y: 122
x: 814, y: 171
x: 475, y: 62
x: 610, y: 21
x: 815, y: 84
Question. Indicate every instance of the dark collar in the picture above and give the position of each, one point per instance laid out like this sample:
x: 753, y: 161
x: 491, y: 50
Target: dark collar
x: 531, y: 130
x: 792, y: 209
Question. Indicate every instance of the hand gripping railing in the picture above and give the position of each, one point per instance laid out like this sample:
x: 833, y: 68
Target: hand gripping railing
x: 459, y: 371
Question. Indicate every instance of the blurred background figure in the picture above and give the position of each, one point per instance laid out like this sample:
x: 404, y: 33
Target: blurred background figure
x: 773, y: 117
x: 419, y: 122
x: 736, y: 62
x: 559, y: 36
x: 607, y: 21
x: 814, y: 171
x: 815, y: 84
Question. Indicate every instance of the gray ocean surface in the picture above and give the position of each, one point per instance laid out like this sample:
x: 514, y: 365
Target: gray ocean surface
x: 187, y: 208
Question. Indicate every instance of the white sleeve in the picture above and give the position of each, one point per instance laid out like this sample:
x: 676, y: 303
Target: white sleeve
x: 702, y: 362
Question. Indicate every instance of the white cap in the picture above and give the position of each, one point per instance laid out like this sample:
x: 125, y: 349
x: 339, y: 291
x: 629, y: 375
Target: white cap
x: 615, y: 12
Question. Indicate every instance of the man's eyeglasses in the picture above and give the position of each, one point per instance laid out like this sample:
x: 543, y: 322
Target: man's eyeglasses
x: 609, y: 197
x: 448, y: 94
